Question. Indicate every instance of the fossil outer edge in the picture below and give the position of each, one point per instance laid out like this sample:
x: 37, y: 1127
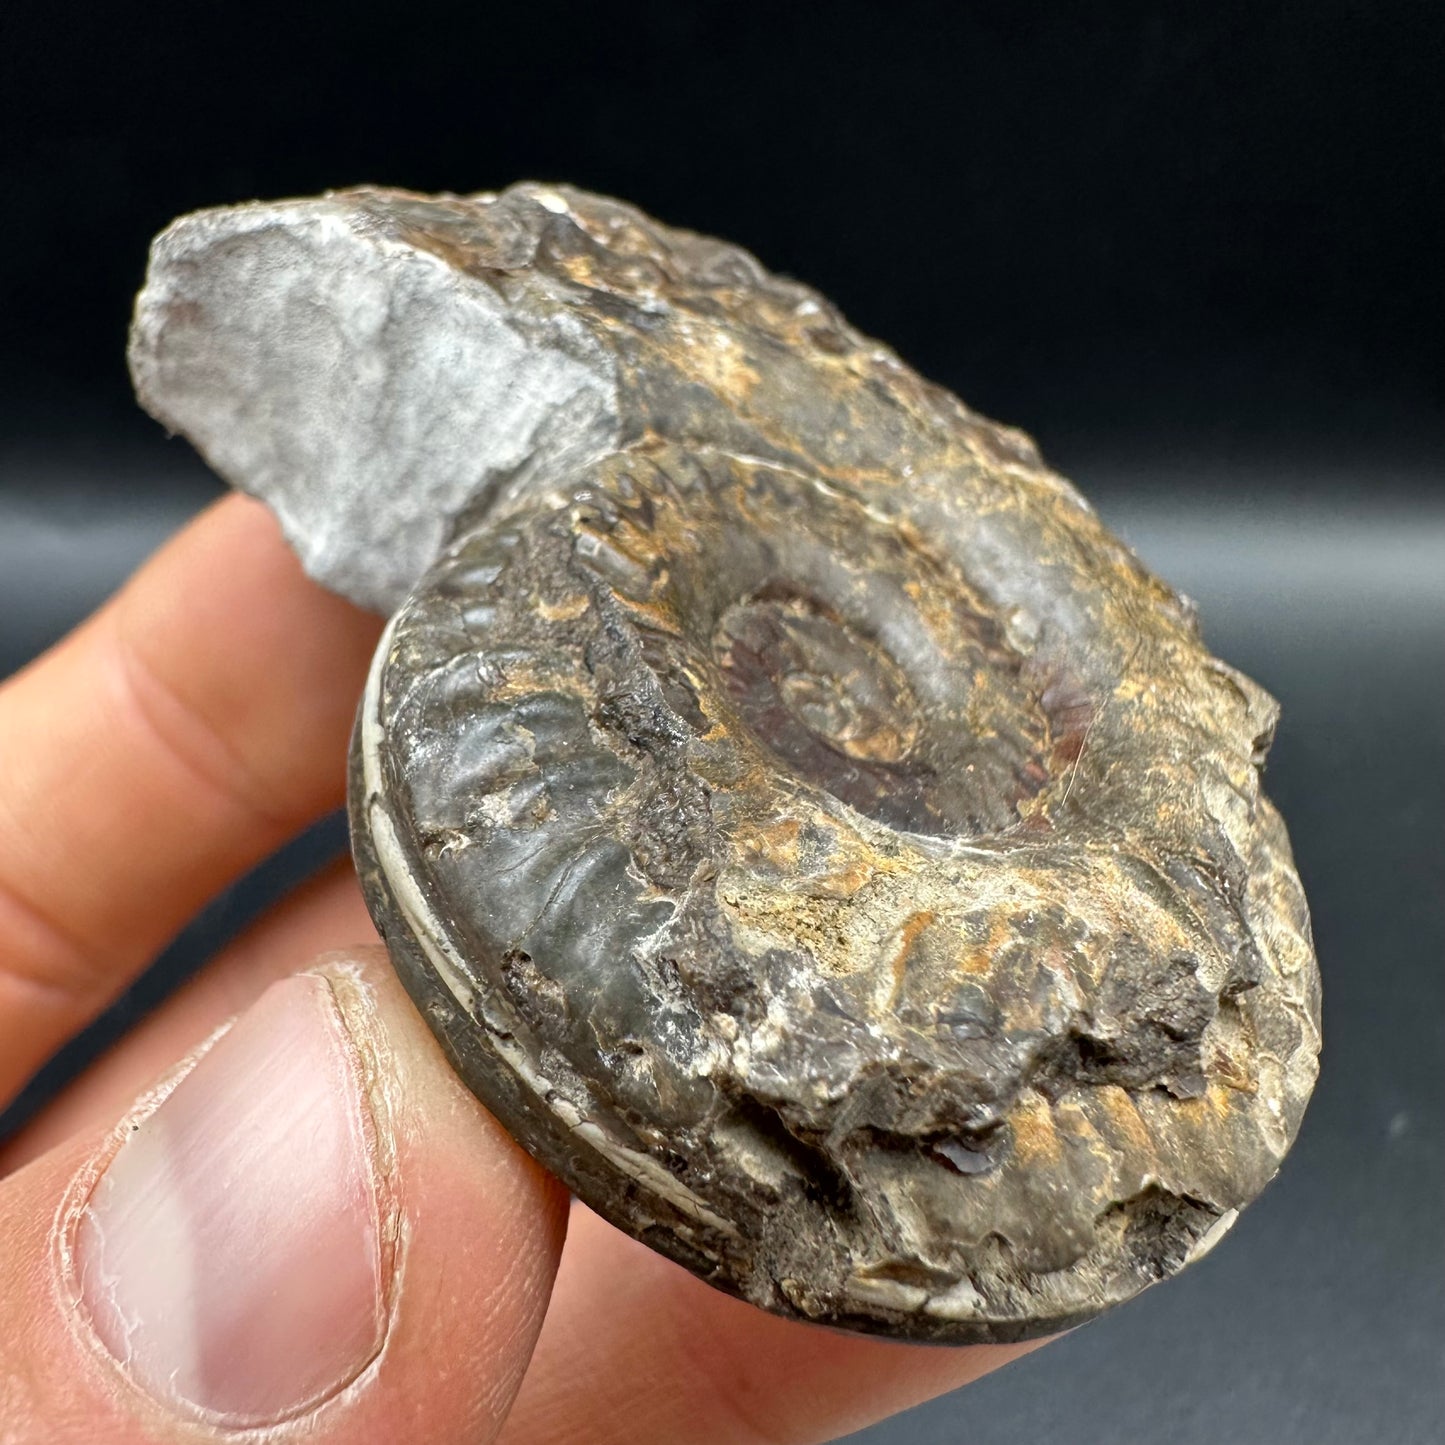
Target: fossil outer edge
x: 805, y: 826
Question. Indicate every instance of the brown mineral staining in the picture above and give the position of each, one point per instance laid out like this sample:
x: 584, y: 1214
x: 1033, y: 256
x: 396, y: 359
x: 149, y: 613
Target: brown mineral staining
x: 813, y: 834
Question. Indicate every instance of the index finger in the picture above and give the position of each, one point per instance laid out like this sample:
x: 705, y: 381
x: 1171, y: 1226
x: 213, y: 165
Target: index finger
x: 173, y: 740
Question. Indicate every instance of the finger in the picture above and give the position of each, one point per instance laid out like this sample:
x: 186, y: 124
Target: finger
x: 680, y: 1362
x: 316, y: 1232
x: 174, y: 739
x: 573, y: 1366
x: 323, y: 914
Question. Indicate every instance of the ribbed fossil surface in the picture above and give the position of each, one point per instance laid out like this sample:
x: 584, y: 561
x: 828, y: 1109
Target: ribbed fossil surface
x: 805, y: 826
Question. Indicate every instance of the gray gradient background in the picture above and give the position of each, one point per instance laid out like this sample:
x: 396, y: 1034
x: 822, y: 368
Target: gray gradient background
x: 1195, y: 250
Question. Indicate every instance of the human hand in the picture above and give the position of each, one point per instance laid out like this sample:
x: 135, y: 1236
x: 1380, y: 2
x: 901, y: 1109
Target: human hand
x: 308, y: 1220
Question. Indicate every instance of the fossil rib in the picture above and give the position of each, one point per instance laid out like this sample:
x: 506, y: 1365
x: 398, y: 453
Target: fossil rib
x: 807, y: 828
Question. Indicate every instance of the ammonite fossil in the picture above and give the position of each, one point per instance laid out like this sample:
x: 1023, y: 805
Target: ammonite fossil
x: 804, y: 825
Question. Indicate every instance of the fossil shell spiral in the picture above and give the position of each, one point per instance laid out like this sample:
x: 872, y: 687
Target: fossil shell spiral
x: 806, y: 827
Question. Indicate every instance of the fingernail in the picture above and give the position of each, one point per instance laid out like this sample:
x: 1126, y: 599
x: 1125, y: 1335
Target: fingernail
x: 230, y: 1255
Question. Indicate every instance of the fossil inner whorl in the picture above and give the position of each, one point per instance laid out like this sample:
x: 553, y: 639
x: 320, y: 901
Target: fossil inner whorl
x: 859, y: 663
x: 804, y: 825
x: 825, y: 694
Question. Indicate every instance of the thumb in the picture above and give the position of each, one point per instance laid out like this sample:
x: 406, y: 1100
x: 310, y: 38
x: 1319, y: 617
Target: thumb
x: 310, y: 1225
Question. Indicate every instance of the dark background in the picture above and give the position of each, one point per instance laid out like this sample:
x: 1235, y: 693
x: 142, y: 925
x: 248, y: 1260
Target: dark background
x: 1198, y: 251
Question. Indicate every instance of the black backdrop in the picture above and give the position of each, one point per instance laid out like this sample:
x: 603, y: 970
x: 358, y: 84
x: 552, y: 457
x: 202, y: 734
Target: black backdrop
x: 1222, y: 219
x: 1196, y: 250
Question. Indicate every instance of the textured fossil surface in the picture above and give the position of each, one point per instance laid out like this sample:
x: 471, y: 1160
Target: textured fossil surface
x: 810, y: 831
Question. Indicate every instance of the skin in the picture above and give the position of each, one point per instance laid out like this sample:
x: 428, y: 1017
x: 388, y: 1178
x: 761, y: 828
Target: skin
x: 173, y: 740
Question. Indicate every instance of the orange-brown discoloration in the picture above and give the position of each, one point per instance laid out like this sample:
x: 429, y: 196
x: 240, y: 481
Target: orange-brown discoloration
x: 1118, y: 1106
x: 568, y: 609
x: 1035, y: 1138
x: 774, y: 844
x: 904, y: 939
